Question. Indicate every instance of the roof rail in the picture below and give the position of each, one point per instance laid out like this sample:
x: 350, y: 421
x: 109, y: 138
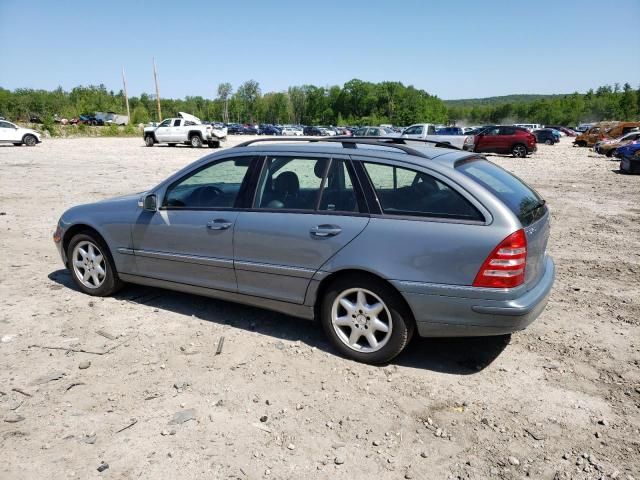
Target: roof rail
x: 352, y: 142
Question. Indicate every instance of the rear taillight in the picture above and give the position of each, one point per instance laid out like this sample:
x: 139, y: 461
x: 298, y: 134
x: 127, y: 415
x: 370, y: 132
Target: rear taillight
x: 505, y: 266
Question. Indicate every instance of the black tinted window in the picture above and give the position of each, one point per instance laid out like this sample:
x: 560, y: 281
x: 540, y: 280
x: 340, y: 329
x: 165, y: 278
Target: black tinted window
x: 214, y: 186
x: 406, y: 192
x: 507, y: 131
x: 522, y: 200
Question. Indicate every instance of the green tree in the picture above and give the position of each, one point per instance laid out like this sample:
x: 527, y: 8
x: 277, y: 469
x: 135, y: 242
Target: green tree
x: 224, y: 93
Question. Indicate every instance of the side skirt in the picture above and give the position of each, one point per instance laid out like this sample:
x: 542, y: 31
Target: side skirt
x: 300, y: 311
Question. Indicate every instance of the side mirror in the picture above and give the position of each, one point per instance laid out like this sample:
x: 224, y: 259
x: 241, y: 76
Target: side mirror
x: 148, y: 203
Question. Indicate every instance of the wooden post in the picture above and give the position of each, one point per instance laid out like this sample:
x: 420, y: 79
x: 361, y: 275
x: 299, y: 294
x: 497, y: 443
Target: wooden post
x: 155, y: 76
x: 126, y: 97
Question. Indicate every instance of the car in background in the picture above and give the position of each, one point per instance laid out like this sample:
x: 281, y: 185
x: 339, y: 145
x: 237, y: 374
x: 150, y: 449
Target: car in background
x: 583, y: 127
x: 12, y: 133
x: 269, y: 130
x: 427, y: 131
x: 567, y: 131
x: 313, y: 132
x: 529, y: 126
x: 594, y: 134
x: 291, y: 132
x: 505, y: 139
x: 308, y: 230
x: 184, y: 129
x: 608, y: 147
x: 450, y: 131
x: 374, y: 132
x: 546, y: 136
x: 629, y: 157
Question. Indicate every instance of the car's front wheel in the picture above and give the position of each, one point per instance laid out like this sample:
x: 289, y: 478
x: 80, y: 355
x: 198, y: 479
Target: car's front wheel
x: 148, y: 141
x: 30, y: 140
x: 365, y: 319
x: 548, y: 141
x: 91, y: 266
x: 519, y: 151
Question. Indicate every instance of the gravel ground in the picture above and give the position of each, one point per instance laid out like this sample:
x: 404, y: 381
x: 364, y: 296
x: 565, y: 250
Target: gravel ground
x: 559, y: 400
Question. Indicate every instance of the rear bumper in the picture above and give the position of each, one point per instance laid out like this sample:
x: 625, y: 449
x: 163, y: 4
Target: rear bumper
x: 459, y: 316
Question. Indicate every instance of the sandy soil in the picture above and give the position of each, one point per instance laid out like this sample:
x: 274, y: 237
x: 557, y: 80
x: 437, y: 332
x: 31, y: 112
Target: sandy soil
x: 560, y: 400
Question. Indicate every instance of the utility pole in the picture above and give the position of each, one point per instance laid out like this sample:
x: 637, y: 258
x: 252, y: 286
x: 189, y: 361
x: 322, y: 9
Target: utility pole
x: 126, y: 97
x: 155, y: 76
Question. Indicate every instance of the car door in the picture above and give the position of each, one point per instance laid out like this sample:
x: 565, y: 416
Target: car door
x: 487, y: 140
x: 175, y: 130
x: 163, y: 131
x: 506, y: 139
x: 306, y: 209
x: 9, y: 132
x: 189, y: 239
x: 415, y: 131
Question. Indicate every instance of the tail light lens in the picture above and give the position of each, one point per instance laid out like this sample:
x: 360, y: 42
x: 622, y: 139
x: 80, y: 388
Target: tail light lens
x: 505, y: 266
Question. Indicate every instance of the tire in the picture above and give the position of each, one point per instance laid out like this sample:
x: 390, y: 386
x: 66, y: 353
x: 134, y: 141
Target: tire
x: 96, y: 284
x: 30, y: 140
x: 195, y: 141
x: 519, y: 150
x: 393, y: 314
x: 610, y: 152
x: 548, y: 141
x: 581, y: 143
x: 149, y: 141
x: 213, y: 144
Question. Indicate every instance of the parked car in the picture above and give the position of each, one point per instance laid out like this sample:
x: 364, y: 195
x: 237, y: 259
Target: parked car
x: 546, y: 136
x: 427, y: 131
x: 269, y: 130
x: 306, y: 229
x: 12, y: 133
x: 112, y: 118
x: 185, y: 129
x: 312, y: 132
x: 603, y: 131
x: 374, y: 132
x: 629, y: 157
x: 505, y: 139
x: 291, y: 132
x: 88, y: 119
x: 567, y: 131
x: 583, y: 127
x: 608, y: 147
x: 529, y: 126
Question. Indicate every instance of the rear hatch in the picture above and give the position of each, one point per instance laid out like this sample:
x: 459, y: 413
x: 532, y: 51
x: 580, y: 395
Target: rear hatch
x: 525, y: 203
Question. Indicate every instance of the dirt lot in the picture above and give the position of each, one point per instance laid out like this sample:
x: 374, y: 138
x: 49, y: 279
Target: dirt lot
x: 560, y: 400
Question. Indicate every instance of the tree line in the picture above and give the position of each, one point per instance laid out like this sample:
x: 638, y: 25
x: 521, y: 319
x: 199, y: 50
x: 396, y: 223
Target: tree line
x: 355, y: 103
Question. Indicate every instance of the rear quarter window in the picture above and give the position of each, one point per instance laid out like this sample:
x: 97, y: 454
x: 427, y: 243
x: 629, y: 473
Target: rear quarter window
x: 522, y: 200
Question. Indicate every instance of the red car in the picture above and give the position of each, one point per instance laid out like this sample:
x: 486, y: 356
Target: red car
x: 517, y: 141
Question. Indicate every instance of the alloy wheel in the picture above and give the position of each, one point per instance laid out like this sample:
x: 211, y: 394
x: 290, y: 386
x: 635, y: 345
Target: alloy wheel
x: 89, y: 264
x: 361, y: 320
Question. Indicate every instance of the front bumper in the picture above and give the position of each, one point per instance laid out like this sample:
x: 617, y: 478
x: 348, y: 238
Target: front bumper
x: 461, y: 316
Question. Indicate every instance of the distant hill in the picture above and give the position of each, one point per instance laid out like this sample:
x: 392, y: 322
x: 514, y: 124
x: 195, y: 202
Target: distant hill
x: 523, y: 98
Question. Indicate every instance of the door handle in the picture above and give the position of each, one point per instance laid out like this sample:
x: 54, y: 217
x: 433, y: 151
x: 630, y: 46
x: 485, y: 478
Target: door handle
x: 219, y: 224
x: 324, y: 231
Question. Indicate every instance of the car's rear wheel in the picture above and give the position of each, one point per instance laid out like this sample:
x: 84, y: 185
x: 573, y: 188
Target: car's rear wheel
x: 91, y: 266
x: 30, y: 140
x: 519, y: 151
x: 365, y: 319
x: 148, y: 141
x: 548, y: 141
x: 196, y: 141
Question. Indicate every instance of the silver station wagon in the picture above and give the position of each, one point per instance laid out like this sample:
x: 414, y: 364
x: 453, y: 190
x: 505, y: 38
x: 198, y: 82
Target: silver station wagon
x: 374, y: 238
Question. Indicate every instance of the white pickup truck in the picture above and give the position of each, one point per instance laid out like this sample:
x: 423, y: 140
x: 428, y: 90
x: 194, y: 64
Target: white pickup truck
x: 185, y: 129
x: 427, y: 131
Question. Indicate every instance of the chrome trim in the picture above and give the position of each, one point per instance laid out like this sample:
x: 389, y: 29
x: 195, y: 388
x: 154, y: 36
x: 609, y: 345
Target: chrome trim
x: 274, y: 269
x: 125, y: 251
x: 179, y: 257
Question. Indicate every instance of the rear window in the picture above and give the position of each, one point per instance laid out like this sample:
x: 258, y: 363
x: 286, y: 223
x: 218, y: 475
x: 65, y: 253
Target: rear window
x: 521, y: 199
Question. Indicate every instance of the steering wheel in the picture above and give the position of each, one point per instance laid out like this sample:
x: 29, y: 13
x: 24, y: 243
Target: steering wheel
x: 202, y: 196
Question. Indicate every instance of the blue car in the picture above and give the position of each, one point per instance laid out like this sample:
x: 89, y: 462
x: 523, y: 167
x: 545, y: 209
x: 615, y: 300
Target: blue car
x: 629, y: 157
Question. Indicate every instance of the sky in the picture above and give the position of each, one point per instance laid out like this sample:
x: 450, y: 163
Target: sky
x: 460, y: 49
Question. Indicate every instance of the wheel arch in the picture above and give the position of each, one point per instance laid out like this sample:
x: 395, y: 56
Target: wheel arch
x: 326, y: 282
x: 195, y: 132
x: 28, y: 134
x: 87, y: 229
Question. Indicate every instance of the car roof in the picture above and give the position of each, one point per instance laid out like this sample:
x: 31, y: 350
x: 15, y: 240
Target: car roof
x: 424, y: 155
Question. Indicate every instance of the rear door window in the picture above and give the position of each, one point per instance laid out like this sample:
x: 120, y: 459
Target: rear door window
x: 406, y: 192
x: 521, y: 199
